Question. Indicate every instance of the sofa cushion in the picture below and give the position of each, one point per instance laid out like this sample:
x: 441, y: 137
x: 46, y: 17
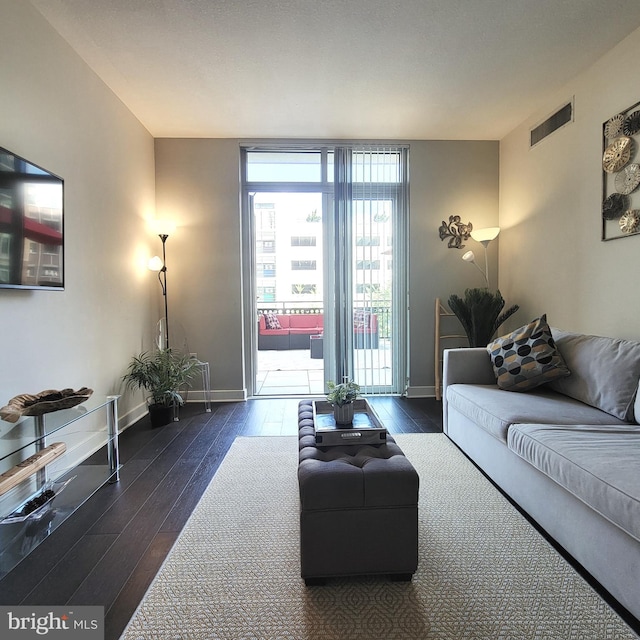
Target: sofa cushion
x: 600, y: 465
x: 305, y: 320
x: 364, y: 323
x: 361, y: 319
x: 604, y: 372
x: 495, y: 410
x: 527, y: 357
x: 351, y: 477
x: 274, y: 332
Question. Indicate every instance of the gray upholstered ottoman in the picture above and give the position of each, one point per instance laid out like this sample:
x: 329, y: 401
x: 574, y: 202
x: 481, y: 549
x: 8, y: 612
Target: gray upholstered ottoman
x: 358, y: 508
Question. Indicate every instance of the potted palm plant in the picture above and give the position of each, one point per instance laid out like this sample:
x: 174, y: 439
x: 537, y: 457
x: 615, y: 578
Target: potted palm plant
x: 481, y: 313
x: 341, y: 397
x: 162, y: 373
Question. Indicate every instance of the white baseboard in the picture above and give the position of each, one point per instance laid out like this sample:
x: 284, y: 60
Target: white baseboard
x: 218, y: 395
x: 421, y: 392
x: 132, y: 416
x: 229, y: 395
x: 193, y: 397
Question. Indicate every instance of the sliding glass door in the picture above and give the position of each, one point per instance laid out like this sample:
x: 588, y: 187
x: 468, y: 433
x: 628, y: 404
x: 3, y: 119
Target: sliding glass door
x: 325, y: 255
x: 289, y: 289
x: 370, y: 286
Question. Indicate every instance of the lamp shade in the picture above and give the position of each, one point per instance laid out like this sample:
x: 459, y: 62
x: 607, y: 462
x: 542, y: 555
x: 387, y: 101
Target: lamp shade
x: 155, y: 263
x: 485, y: 235
x: 469, y: 256
x: 164, y: 227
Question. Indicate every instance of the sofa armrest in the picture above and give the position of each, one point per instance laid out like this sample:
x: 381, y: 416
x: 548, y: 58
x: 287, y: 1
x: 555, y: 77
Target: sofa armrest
x: 471, y: 365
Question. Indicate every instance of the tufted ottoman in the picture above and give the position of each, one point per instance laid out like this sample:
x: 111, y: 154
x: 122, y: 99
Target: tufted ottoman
x: 358, y: 508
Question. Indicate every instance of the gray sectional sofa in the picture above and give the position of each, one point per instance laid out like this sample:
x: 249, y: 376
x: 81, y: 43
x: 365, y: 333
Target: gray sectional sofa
x: 567, y: 452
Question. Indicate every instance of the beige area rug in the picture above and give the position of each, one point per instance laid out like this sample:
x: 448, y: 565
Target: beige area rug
x: 483, y: 573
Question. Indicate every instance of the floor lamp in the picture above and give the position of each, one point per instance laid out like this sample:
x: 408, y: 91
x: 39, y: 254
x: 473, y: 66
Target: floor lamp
x: 484, y: 237
x: 160, y: 265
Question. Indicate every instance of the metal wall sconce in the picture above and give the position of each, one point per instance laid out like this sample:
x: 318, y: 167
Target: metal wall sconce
x: 457, y: 232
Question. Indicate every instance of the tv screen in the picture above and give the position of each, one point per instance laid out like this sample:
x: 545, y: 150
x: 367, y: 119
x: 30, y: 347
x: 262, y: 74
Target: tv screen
x: 31, y: 225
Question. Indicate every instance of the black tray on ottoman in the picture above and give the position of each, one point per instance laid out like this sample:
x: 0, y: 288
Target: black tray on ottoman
x: 365, y: 429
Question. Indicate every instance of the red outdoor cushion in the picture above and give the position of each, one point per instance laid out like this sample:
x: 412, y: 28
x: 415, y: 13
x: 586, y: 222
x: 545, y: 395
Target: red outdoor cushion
x: 274, y: 332
x: 284, y: 326
x: 305, y: 320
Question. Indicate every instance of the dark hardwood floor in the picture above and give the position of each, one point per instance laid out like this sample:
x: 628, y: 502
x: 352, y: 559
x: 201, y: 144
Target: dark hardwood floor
x: 108, y: 552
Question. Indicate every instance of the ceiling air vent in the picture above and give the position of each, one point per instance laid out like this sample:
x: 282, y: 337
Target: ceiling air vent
x: 564, y: 115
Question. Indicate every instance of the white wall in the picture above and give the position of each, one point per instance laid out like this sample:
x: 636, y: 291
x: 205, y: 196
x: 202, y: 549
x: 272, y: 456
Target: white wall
x: 447, y: 178
x: 198, y: 185
x: 551, y: 257
x: 56, y: 113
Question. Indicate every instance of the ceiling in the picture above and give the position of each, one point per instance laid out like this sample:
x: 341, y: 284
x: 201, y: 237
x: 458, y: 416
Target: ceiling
x: 358, y: 69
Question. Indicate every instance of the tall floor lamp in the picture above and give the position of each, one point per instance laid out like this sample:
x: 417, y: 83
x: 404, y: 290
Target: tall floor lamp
x: 160, y: 265
x: 484, y: 237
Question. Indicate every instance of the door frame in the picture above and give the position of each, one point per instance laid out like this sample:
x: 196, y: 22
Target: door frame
x: 330, y: 226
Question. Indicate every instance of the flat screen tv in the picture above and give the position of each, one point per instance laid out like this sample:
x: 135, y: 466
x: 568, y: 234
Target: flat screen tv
x: 31, y: 225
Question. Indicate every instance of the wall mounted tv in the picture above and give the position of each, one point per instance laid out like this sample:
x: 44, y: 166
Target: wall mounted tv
x: 31, y: 225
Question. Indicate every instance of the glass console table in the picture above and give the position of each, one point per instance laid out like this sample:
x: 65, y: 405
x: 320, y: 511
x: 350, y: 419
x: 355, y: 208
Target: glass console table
x: 89, y: 432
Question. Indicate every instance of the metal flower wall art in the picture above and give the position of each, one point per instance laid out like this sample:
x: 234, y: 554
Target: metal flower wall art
x: 621, y: 174
x: 457, y: 232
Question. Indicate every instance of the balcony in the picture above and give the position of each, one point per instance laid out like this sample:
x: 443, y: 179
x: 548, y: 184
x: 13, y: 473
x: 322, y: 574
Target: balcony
x: 286, y: 372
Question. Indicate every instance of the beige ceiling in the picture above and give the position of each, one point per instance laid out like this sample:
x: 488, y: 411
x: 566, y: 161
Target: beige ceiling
x: 366, y: 69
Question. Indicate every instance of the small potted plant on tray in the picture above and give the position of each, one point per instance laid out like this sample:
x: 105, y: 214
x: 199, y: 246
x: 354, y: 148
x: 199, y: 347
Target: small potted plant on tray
x: 162, y: 373
x: 341, y: 396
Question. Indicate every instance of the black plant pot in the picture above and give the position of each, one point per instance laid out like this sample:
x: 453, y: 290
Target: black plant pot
x: 160, y: 415
x: 343, y: 415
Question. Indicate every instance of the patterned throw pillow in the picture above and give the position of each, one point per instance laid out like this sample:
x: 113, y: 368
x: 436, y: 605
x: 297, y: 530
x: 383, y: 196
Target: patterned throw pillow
x: 271, y: 320
x: 527, y: 358
x: 361, y: 319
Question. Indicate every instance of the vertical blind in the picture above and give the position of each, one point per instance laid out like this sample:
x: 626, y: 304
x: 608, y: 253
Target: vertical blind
x: 371, y: 198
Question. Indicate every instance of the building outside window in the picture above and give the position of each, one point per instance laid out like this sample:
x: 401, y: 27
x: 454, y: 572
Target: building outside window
x: 303, y: 241
x: 303, y: 265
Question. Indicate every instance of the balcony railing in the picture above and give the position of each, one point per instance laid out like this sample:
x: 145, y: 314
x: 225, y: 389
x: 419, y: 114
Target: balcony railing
x: 382, y: 309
